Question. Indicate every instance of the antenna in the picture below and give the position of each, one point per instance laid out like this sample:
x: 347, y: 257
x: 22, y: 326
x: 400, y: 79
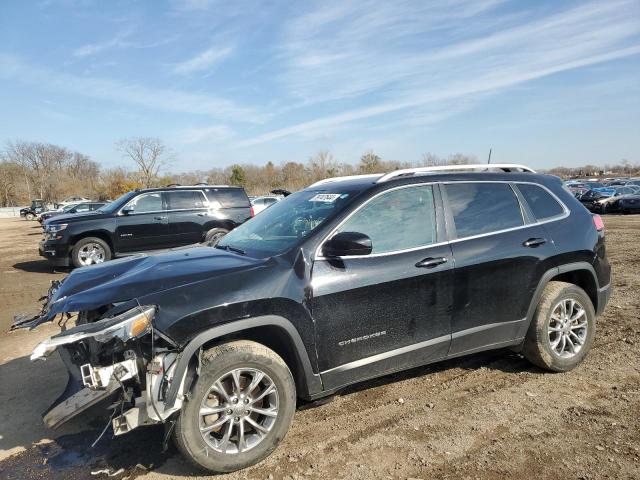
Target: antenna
x: 489, y: 160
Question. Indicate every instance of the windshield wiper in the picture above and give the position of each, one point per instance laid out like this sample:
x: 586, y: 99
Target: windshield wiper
x: 229, y: 248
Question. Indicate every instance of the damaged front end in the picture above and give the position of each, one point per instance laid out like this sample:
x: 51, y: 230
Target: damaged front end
x: 112, y: 353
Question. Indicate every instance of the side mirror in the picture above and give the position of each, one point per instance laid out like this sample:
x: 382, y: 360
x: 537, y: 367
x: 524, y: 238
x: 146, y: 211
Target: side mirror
x: 346, y: 244
x: 128, y: 210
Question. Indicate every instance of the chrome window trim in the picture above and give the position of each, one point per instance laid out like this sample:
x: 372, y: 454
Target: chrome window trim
x: 318, y: 254
x: 565, y: 214
x: 206, y: 202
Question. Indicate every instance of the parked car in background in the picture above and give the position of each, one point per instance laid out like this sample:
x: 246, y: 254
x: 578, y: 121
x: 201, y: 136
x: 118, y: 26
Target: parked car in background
x: 628, y: 203
x: 30, y: 213
x: 347, y: 280
x: 71, y: 200
x: 144, y: 220
x: 591, y: 199
x: 71, y: 209
x: 599, y: 200
x: 261, y: 203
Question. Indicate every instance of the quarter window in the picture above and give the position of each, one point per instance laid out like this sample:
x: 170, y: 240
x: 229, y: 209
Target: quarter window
x: 185, y: 200
x: 542, y: 204
x: 229, y: 197
x: 479, y: 208
x: 397, y: 220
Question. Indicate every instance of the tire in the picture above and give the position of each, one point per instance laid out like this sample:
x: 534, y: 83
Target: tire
x: 217, y: 364
x: 90, y: 251
x: 29, y: 216
x: 540, y: 346
x: 214, y: 235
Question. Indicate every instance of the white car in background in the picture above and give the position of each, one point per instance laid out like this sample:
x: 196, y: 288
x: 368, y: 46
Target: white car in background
x: 262, y: 203
x: 71, y: 200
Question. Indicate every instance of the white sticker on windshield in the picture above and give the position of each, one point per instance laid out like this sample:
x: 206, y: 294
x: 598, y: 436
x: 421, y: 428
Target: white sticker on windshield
x: 325, y: 197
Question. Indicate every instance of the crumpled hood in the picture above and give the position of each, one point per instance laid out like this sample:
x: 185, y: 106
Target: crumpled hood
x: 133, y: 277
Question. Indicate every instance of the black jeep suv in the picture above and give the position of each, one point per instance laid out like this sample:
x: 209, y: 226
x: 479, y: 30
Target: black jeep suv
x: 143, y: 220
x: 346, y: 280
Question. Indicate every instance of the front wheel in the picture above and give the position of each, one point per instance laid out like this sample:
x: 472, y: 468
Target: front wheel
x: 90, y: 251
x: 562, y: 329
x: 29, y: 216
x: 239, y: 409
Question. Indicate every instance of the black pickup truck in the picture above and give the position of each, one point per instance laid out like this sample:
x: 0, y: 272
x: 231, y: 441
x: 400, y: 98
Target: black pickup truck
x: 144, y: 220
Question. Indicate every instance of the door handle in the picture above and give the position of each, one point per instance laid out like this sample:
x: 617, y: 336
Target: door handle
x: 431, y: 262
x: 159, y: 218
x: 534, y: 242
x: 202, y: 214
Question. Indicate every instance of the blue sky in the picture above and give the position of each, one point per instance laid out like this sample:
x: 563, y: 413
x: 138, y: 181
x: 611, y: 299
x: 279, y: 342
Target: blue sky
x: 541, y: 82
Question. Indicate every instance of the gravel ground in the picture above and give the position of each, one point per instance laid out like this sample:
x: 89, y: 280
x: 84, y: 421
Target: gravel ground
x: 488, y: 416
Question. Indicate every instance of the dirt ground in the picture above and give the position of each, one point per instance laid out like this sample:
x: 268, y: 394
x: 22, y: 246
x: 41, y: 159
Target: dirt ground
x: 488, y: 416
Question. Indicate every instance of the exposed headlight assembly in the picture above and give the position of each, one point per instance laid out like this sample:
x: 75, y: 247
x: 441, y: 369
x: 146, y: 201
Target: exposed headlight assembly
x: 131, y: 324
x: 56, y: 227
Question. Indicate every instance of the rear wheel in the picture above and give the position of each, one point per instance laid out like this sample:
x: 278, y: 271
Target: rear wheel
x: 214, y: 236
x: 90, y: 251
x: 563, y: 328
x: 240, y: 408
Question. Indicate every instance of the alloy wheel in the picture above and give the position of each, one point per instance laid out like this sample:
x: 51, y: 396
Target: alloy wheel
x: 567, y: 328
x: 238, y: 410
x: 91, y: 253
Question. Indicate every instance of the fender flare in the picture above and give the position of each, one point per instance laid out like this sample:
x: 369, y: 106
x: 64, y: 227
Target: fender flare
x: 311, y: 380
x: 546, y: 278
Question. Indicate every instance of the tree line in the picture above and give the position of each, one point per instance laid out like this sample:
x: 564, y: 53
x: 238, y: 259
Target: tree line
x: 31, y: 170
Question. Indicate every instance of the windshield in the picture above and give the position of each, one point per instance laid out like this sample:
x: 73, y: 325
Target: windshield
x: 282, y: 225
x: 116, y: 204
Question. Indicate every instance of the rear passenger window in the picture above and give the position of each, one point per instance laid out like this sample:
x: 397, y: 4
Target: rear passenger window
x: 397, y: 220
x: 479, y: 208
x: 542, y: 204
x: 229, y: 197
x: 185, y: 200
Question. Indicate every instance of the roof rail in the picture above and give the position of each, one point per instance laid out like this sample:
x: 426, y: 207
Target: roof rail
x: 505, y: 167
x: 347, y: 177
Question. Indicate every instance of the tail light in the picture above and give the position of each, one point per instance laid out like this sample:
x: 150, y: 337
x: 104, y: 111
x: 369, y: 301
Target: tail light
x: 597, y: 221
x: 251, y: 212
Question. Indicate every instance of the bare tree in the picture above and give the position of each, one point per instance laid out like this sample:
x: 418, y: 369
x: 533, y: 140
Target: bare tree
x: 320, y: 164
x: 149, y: 154
x: 371, y: 163
x: 40, y: 163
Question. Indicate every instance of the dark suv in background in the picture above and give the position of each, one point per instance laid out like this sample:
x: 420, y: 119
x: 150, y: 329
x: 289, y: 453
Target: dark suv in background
x: 145, y: 220
x: 344, y: 281
x: 73, y: 208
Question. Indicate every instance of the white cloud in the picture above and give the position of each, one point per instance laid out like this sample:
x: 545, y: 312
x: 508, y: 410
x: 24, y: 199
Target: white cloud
x: 119, y: 41
x: 389, y: 56
x: 210, y: 133
x: 128, y: 93
x: 203, y: 61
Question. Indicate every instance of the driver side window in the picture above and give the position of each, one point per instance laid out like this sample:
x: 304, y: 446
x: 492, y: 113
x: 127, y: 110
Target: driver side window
x: 147, y: 202
x: 397, y: 220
